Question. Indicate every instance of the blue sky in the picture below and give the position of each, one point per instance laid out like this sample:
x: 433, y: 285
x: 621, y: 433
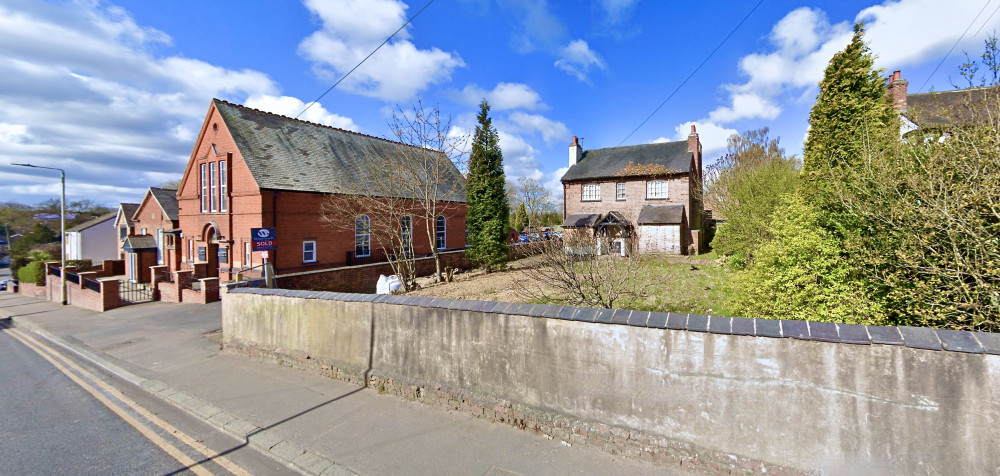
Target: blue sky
x: 115, y: 91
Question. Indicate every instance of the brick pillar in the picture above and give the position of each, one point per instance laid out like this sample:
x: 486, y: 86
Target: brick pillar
x: 200, y: 270
x: 209, y: 289
x: 110, y: 297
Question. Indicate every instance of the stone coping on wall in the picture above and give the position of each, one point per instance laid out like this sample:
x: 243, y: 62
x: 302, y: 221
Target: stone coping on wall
x: 913, y: 337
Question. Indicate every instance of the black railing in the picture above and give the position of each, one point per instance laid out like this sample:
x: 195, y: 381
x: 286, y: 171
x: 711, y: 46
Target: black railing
x: 54, y: 271
x: 72, y: 277
x: 132, y: 293
x: 92, y: 285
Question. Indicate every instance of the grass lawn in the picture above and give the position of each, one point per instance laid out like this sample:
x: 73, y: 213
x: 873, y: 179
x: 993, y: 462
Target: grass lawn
x: 675, y: 284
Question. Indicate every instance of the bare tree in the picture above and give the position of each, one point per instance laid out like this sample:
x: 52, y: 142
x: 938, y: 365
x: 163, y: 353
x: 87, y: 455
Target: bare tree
x: 571, y: 271
x: 536, y: 198
x: 396, y: 184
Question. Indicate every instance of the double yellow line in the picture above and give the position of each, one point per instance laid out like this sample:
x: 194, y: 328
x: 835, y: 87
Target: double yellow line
x: 74, y: 372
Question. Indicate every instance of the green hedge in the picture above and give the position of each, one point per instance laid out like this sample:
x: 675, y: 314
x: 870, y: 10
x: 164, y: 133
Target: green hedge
x: 81, y: 264
x: 34, y: 272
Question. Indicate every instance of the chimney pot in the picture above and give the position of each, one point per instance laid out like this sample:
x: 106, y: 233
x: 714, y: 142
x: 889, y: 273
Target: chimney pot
x: 692, y: 129
x: 575, y: 140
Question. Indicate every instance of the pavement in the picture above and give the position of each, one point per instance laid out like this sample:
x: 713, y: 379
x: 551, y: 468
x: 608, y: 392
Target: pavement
x: 311, y: 423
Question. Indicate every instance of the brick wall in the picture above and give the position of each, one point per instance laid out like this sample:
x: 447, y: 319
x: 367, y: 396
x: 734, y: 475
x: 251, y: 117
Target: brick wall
x: 363, y: 278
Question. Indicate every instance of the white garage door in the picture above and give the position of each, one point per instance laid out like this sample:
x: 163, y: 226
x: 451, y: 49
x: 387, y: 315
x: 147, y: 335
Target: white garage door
x: 660, y: 239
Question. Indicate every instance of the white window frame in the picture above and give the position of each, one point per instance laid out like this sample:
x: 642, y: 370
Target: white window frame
x: 620, y: 191
x: 190, y: 250
x: 204, y: 188
x: 591, y: 192
x: 309, y: 251
x: 213, y: 183
x: 247, y: 255
x: 657, y: 190
x: 440, y: 232
x: 406, y: 234
x: 222, y: 186
x: 362, y: 236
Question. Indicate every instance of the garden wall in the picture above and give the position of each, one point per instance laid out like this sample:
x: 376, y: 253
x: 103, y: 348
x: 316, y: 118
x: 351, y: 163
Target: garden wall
x: 362, y: 278
x: 715, y: 392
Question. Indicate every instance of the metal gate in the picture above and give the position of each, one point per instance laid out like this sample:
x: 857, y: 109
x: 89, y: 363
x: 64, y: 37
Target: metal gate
x: 133, y: 293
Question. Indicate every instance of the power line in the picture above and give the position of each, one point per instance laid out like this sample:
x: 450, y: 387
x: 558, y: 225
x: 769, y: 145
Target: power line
x: 953, y: 46
x: 366, y: 59
x: 738, y: 25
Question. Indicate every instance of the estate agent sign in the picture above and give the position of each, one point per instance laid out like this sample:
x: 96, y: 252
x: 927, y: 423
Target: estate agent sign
x: 263, y: 239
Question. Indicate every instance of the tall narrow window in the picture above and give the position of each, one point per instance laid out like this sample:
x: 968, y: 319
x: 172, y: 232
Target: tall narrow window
x: 308, y: 251
x: 204, y: 188
x: 222, y: 186
x: 190, y: 250
x: 406, y: 234
x: 591, y: 192
x: 247, y: 255
x: 362, y: 237
x: 439, y: 236
x: 159, y: 246
x: 656, y: 189
x: 213, y: 182
x: 620, y: 191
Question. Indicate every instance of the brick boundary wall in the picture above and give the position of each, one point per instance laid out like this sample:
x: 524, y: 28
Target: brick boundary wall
x: 774, y: 396
x: 362, y: 278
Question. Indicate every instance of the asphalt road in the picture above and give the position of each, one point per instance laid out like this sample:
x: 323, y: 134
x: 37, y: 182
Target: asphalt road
x: 60, y: 416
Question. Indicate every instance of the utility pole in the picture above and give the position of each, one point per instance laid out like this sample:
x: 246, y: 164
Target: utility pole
x: 62, y: 230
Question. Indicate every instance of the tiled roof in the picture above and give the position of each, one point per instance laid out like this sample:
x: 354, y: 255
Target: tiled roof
x: 581, y: 220
x: 143, y: 242
x: 289, y: 154
x: 94, y: 221
x: 667, y: 214
x: 944, y: 108
x: 168, y: 201
x: 128, y: 210
x: 606, y: 163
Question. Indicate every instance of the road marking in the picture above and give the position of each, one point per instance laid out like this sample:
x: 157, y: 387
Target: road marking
x: 49, y: 354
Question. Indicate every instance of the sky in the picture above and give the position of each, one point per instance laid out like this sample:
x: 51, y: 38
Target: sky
x: 114, y: 92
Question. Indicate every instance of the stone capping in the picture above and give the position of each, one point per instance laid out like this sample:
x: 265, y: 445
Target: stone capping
x: 913, y: 337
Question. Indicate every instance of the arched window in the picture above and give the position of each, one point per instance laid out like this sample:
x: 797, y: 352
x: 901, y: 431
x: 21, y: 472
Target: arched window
x: 439, y: 233
x: 362, y: 237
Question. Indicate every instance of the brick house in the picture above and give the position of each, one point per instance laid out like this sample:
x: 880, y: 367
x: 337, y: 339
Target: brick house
x: 154, y: 237
x: 938, y: 112
x: 253, y: 169
x: 642, y: 197
x: 124, y: 224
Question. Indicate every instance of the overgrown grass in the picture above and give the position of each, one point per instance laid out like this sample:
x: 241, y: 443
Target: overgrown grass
x: 686, y: 285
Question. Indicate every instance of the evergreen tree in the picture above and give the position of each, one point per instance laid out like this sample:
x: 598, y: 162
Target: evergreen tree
x: 521, y: 218
x: 488, y: 211
x: 851, y: 107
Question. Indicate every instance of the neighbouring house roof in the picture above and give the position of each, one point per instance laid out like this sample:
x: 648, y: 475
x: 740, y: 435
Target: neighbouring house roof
x: 143, y: 242
x: 167, y: 199
x: 668, y: 214
x: 632, y: 160
x: 93, y: 222
x: 128, y: 210
x: 947, y: 108
x: 581, y: 220
x: 289, y: 154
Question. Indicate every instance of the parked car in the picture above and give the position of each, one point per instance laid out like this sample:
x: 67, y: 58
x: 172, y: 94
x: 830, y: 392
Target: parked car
x: 522, y: 238
x: 3, y: 285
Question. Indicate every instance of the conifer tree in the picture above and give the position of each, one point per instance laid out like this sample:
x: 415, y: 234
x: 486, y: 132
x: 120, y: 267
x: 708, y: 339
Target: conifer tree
x: 521, y: 218
x: 488, y: 212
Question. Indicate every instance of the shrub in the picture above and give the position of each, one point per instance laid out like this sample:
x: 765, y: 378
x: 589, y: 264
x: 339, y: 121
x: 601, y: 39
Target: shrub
x: 33, y: 272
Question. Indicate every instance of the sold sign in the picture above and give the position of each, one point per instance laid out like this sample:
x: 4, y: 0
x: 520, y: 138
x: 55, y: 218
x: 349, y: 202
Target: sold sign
x: 264, y: 239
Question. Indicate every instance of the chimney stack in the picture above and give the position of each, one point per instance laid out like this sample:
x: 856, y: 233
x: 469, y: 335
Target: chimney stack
x: 575, y: 152
x: 897, y: 91
x: 694, y: 146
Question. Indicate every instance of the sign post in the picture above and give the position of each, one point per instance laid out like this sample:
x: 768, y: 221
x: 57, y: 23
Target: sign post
x: 265, y: 240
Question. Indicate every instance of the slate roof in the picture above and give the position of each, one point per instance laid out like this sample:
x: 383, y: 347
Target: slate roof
x: 289, y: 154
x: 143, y: 242
x: 945, y: 108
x: 94, y: 221
x: 606, y: 163
x: 128, y: 210
x: 168, y: 201
x: 668, y: 214
x: 581, y: 220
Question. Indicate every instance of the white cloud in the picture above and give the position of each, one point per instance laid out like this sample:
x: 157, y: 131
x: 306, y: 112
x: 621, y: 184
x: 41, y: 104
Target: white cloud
x: 115, y: 115
x: 712, y: 136
x: 351, y: 29
x: 519, y: 157
x: 503, y: 97
x: 290, y: 107
x: 577, y: 58
x: 550, y: 130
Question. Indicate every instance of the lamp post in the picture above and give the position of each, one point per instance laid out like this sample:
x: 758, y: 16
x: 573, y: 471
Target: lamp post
x: 62, y: 230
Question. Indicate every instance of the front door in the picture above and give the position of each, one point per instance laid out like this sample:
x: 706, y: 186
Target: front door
x: 133, y: 266
x: 213, y: 260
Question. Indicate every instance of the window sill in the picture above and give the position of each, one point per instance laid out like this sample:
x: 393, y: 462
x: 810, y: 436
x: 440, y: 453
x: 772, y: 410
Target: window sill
x: 592, y: 200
